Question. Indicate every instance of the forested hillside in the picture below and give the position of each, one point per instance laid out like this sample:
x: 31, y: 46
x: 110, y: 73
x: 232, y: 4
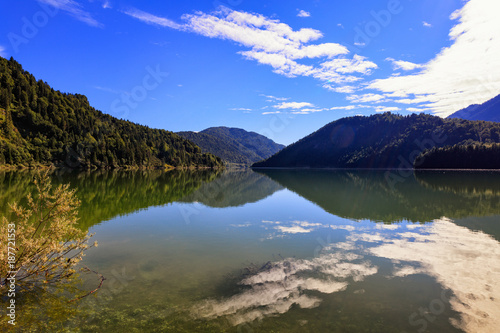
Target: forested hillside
x: 234, y: 145
x: 42, y: 126
x: 381, y: 141
x: 465, y: 156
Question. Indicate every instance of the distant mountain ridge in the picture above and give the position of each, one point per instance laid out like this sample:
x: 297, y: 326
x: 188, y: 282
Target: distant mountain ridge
x: 488, y: 111
x: 381, y: 141
x: 233, y: 145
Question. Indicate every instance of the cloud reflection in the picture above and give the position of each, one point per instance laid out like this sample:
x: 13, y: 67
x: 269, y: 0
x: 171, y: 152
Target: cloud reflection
x: 461, y: 260
x: 292, y: 227
x: 274, y: 290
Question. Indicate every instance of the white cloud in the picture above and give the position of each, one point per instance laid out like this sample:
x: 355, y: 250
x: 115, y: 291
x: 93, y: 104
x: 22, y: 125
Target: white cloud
x: 281, y: 64
x: 366, y: 98
x: 2, y: 52
x: 289, y: 107
x: 307, y: 111
x: 426, y: 24
x: 351, y: 107
x: 241, y: 109
x: 346, y: 89
x: 417, y: 99
x: 274, y: 98
x: 106, y: 5
x: 404, y: 65
x: 386, y: 109
x: 399, y: 94
x: 252, y: 30
x: 303, y: 13
x: 74, y: 9
x: 357, y: 64
x: 467, y: 72
x: 417, y: 109
x: 152, y: 19
x: 110, y: 90
x: 272, y: 43
x: 293, y: 105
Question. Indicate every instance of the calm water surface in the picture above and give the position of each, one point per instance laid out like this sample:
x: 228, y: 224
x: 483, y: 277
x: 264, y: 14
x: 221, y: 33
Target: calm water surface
x: 280, y: 251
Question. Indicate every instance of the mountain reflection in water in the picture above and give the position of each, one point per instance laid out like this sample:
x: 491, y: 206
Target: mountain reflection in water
x: 354, y: 254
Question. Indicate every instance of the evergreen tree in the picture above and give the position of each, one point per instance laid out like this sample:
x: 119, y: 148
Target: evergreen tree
x: 38, y: 123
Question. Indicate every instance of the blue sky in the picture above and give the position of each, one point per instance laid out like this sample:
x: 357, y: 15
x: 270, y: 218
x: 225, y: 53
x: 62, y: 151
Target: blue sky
x: 280, y: 68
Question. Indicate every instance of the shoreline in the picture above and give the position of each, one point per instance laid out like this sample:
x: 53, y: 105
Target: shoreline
x: 367, y: 169
x: 126, y: 168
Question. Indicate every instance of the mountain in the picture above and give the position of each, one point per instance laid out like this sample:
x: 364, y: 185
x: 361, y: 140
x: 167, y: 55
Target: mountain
x: 488, y: 111
x: 42, y: 126
x: 380, y: 141
x: 234, y: 145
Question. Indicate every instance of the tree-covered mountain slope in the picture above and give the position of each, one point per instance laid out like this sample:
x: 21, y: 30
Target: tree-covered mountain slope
x: 234, y: 145
x: 380, y: 141
x: 42, y: 126
x: 488, y: 111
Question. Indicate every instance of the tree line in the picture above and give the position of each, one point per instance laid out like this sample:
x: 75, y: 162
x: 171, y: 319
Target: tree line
x: 389, y: 141
x: 43, y: 126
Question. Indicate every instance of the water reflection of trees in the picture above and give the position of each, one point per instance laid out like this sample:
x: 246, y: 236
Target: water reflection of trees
x: 234, y: 189
x: 419, y: 198
x: 106, y: 194
x: 470, y: 184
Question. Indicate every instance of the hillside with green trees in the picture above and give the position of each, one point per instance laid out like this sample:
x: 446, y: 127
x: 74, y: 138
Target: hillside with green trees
x: 234, y: 145
x: 488, y: 111
x: 465, y: 156
x: 42, y: 126
x: 380, y: 141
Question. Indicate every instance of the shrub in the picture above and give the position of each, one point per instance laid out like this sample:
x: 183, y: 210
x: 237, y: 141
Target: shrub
x: 48, y: 244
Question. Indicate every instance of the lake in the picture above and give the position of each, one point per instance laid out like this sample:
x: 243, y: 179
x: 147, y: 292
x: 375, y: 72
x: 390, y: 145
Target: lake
x: 278, y: 251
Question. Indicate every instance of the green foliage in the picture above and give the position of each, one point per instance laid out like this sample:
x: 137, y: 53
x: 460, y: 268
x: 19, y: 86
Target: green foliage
x: 234, y: 145
x: 105, y: 194
x: 42, y: 126
x: 380, y: 141
x: 461, y: 156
